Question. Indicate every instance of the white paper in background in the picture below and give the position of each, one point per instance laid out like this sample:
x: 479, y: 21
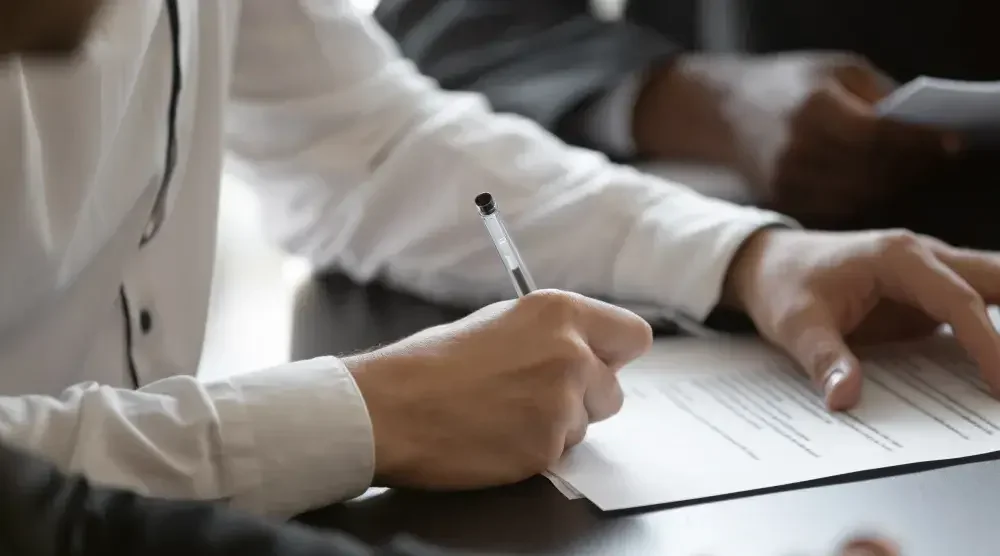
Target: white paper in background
x: 963, y: 106
x: 707, y: 418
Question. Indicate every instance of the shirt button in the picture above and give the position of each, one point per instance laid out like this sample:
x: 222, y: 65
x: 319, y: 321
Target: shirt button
x: 150, y: 231
x: 145, y: 321
x: 156, y: 216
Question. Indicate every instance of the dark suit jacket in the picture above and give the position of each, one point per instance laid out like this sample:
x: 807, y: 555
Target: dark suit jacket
x: 543, y: 58
x: 547, y: 59
x: 46, y: 513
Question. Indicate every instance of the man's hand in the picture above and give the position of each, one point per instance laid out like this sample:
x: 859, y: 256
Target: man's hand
x: 812, y: 294
x: 800, y: 127
x: 498, y: 396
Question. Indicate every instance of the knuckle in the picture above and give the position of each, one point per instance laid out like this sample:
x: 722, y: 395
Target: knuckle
x: 823, y: 97
x: 570, y: 353
x: 969, y: 297
x: 551, y: 306
x: 814, y: 111
x: 838, y: 63
x: 899, y: 242
x: 550, y: 451
x: 853, y: 61
x: 550, y: 437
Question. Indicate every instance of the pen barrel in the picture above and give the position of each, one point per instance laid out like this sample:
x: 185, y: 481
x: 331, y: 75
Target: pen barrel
x: 511, y: 257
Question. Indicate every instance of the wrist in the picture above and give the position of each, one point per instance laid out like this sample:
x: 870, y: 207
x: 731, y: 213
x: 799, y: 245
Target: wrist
x: 392, y: 449
x: 679, y: 113
x: 738, y: 291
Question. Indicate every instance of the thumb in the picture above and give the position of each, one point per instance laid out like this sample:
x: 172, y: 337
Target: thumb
x: 864, y: 81
x: 816, y: 344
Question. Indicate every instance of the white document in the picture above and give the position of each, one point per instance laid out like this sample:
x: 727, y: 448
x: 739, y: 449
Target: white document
x: 963, y: 106
x: 707, y: 418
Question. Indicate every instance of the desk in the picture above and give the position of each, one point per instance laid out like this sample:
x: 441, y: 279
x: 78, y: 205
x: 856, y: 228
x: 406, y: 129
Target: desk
x: 954, y: 510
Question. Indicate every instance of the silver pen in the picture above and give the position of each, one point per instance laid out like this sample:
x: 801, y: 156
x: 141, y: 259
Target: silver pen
x: 519, y: 275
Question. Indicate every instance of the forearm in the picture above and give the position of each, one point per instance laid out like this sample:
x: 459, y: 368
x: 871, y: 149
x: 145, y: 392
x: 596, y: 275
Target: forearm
x: 375, y: 175
x: 278, y: 441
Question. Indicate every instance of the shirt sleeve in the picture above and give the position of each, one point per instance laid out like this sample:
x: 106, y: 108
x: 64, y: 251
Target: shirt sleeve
x: 277, y: 441
x: 368, y: 167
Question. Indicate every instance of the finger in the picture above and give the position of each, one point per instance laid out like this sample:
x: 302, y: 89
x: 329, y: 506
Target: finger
x: 854, y: 123
x: 811, y: 337
x: 617, y: 336
x: 869, y: 547
x: 910, y: 273
x: 603, y: 397
x: 980, y: 269
x: 864, y: 81
x: 594, y: 391
x: 576, y: 430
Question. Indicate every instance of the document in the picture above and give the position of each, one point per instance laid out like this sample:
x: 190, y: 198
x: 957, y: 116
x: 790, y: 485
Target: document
x: 707, y: 418
x: 970, y: 108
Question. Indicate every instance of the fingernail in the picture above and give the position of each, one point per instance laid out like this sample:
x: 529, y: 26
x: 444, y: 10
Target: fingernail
x: 834, y: 377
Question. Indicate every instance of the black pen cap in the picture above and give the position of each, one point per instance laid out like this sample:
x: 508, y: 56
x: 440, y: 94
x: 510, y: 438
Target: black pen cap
x: 485, y: 203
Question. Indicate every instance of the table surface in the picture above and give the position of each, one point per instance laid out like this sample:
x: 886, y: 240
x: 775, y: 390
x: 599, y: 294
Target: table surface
x: 952, y: 510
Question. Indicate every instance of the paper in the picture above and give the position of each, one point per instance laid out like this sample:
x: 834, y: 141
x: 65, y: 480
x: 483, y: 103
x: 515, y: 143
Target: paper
x: 707, y: 418
x: 564, y: 488
x: 971, y: 108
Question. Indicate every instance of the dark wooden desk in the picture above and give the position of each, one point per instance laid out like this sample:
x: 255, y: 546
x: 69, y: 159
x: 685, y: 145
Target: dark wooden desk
x: 953, y: 510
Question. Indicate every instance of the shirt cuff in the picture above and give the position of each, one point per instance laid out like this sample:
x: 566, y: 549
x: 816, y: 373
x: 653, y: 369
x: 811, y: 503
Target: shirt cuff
x: 606, y: 124
x: 679, y: 252
x: 311, y: 437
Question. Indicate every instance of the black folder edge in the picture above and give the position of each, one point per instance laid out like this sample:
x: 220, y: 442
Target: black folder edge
x: 846, y: 478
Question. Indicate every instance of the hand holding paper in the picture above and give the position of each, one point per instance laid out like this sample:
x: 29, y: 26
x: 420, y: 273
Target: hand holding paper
x: 971, y: 109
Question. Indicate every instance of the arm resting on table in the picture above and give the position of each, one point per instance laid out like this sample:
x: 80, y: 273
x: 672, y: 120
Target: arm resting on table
x: 278, y: 441
x: 370, y: 168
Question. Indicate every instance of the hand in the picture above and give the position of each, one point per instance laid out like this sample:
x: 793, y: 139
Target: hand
x: 47, y: 27
x: 799, y: 126
x: 812, y: 293
x: 498, y: 396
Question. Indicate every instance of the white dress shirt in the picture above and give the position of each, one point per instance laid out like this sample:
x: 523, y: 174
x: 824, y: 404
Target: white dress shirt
x: 363, y: 166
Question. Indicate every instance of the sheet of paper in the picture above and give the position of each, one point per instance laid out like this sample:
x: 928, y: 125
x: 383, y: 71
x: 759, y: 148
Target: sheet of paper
x: 707, y: 418
x: 969, y: 107
x: 564, y: 488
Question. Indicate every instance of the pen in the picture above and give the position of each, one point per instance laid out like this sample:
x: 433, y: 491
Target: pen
x: 523, y: 284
